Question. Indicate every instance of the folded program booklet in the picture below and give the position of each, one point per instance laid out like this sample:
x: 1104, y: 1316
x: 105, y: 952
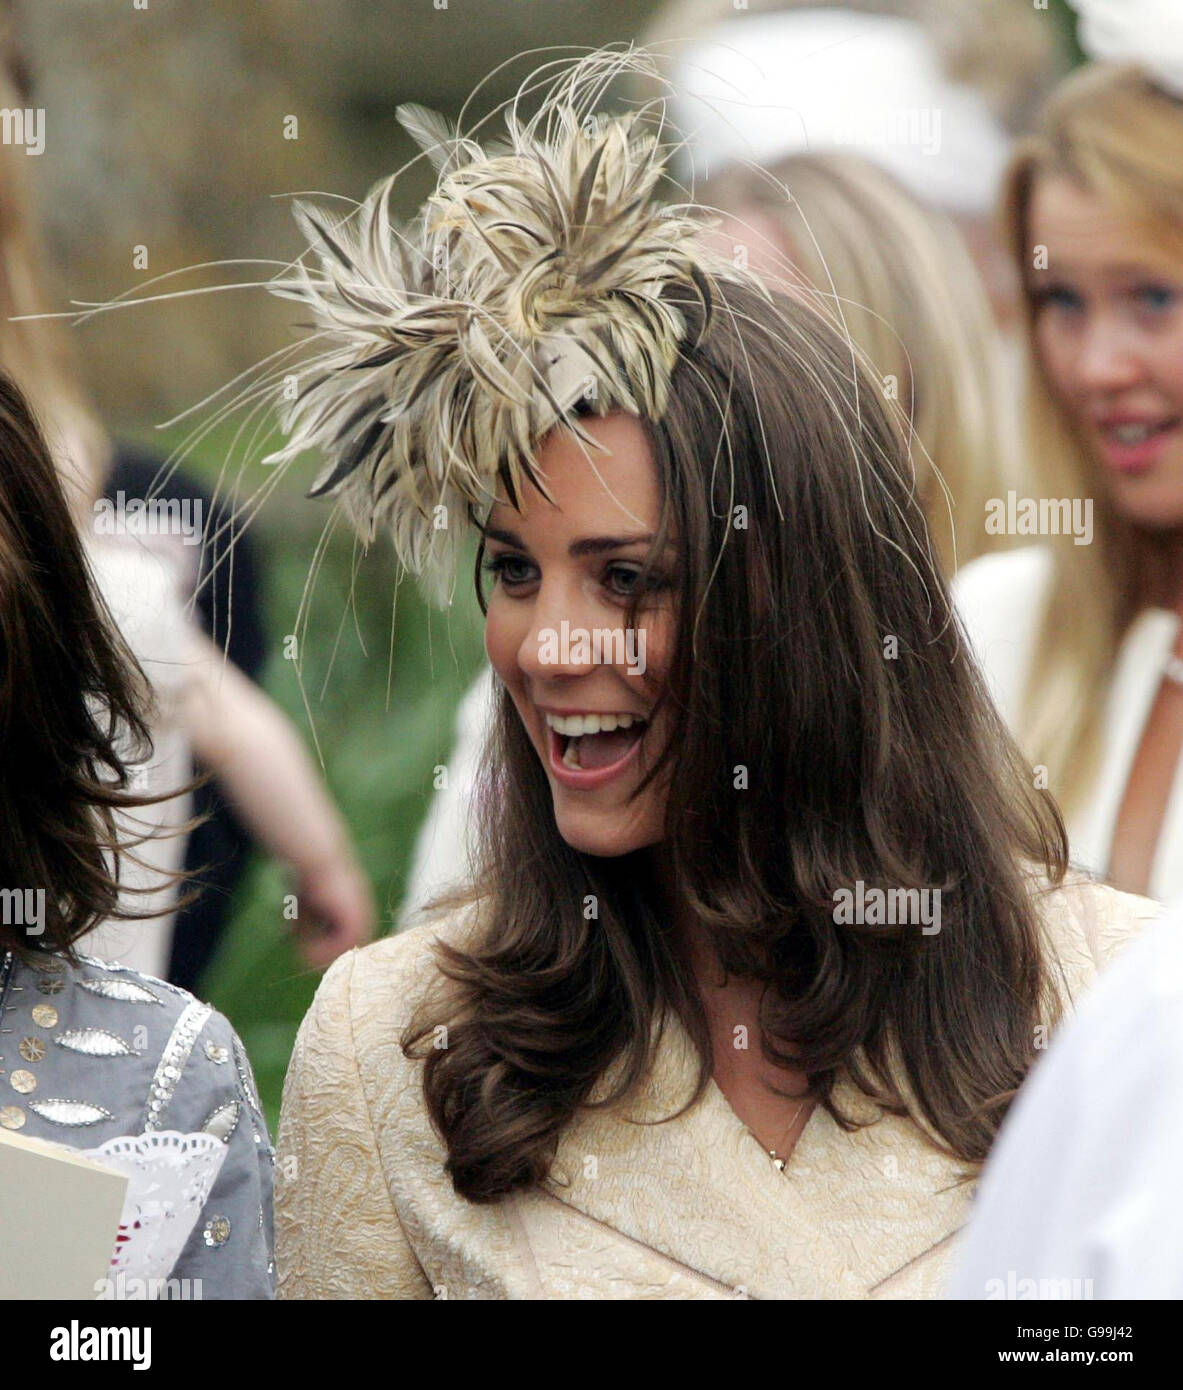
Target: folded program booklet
x: 59, y: 1219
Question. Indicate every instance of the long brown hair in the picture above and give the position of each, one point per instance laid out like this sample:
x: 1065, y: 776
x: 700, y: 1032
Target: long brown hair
x: 816, y: 650
x: 72, y: 704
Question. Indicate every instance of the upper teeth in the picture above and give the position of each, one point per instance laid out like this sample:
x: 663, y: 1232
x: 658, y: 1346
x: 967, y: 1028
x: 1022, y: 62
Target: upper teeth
x: 576, y: 725
x: 1133, y: 434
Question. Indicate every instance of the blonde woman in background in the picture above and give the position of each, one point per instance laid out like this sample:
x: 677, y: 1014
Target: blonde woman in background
x: 1082, y: 641
x: 896, y: 276
x: 932, y: 91
x: 204, y: 705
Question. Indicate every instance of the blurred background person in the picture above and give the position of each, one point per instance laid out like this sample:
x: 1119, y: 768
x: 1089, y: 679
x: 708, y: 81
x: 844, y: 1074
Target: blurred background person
x: 158, y: 584
x: 930, y: 90
x: 1080, y: 633
x: 894, y: 274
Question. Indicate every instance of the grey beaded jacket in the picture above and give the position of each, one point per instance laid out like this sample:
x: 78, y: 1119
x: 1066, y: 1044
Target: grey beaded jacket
x: 94, y: 1051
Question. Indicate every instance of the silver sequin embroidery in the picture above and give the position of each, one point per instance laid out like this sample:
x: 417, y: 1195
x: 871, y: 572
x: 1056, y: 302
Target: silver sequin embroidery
x: 69, y: 1112
x: 114, y: 968
x: 95, y: 1042
x: 173, y: 1059
x: 222, y: 1122
x: 247, y: 1077
x: 216, y: 1232
x: 127, y: 991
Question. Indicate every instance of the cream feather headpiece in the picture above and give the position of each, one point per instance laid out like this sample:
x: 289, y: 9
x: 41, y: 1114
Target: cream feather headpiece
x: 542, y: 273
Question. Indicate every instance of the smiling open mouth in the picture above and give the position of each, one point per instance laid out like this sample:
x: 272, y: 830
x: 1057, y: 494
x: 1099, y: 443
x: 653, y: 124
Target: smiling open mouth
x: 590, y: 742
x: 1138, y: 432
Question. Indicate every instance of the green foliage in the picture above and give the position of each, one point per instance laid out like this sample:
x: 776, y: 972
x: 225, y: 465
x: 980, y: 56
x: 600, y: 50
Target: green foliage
x: 378, y: 751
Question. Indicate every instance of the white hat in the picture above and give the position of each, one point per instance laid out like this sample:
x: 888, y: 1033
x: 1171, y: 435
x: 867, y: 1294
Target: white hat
x: 761, y: 87
x: 1146, y: 32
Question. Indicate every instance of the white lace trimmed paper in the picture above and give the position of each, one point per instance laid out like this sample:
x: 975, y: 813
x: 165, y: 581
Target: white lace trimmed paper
x: 170, y: 1177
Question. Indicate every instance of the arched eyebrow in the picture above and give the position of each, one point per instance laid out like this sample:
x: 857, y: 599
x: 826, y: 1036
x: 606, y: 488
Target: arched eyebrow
x: 589, y: 545
x: 597, y: 545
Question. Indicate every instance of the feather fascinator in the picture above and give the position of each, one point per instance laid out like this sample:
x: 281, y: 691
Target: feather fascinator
x: 539, y: 281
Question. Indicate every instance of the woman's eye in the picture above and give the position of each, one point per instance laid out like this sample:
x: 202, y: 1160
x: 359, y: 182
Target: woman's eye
x: 1156, y: 298
x: 1059, y: 297
x: 624, y: 580
x: 511, y: 570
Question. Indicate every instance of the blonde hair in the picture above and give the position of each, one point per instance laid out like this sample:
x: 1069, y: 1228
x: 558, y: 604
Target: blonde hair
x: 37, y: 353
x: 897, y: 278
x: 1118, y: 136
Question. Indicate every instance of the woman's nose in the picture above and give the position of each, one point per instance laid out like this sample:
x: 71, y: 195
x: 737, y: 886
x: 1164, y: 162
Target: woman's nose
x: 1110, y: 359
x: 559, y: 639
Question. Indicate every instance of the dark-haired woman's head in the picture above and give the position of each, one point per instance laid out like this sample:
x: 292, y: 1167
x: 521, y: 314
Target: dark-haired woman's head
x: 579, y: 622
x: 745, y: 586
x: 747, y: 580
x: 71, y: 707
x: 745, y: 590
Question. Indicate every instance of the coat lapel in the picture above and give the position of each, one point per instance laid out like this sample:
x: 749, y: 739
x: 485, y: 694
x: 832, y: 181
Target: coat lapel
x: 849, y: 1211
x: 1132, y: 691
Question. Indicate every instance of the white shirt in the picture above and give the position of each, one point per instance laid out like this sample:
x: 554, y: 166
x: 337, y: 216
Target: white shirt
x: 1081, y: 1197
x: 143, y: 586
x: 442, y: 850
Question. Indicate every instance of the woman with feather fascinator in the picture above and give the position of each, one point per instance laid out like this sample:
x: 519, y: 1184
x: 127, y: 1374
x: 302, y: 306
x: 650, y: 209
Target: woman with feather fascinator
x: 769, y: 921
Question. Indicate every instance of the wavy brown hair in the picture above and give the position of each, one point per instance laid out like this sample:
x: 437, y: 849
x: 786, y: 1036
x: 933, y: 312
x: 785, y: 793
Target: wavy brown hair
x: 817, y: 648
x: 72, y: 704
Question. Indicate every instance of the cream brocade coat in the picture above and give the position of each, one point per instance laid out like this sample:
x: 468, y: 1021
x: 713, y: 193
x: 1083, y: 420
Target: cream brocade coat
x: 688, y: 1209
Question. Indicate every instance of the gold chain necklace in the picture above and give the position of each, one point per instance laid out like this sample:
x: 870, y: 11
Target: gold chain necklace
x: 777, y: 1161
